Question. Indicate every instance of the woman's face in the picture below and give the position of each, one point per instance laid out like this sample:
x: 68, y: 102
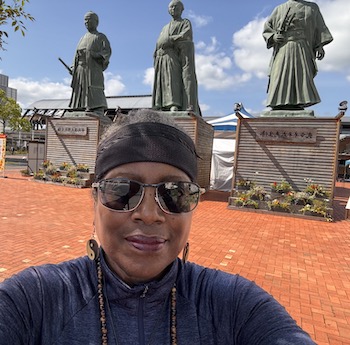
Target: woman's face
x: 140, y: 244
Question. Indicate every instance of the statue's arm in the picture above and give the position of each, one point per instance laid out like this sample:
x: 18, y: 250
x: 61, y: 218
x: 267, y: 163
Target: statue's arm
x: 186, y: 32
x: 104, y: 53
x: 270, y: 33
x: 322, y: 35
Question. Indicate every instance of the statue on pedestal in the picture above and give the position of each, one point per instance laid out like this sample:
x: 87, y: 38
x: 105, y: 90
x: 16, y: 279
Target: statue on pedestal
x: 91, y: 59
x: 297, y: 33
x: 175, y: 82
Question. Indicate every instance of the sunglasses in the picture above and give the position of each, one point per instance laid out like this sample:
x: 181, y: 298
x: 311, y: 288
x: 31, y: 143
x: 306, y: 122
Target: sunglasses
x: 123, y: 195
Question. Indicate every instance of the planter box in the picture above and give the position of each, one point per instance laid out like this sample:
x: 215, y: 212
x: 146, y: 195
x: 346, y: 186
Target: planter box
x: 280, y: 209
x: 263, y: 205
x: 313, y: 214
x: 251, y: 206
x: 296, y: 208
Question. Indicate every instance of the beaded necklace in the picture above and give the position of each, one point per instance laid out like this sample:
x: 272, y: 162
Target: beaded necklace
x: 103, y: 319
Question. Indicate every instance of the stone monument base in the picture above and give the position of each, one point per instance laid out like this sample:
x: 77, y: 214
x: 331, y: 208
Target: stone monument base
x: 271, y: 152
x: 74, y: 138
x: 86, y: 114
x: 288, y: 113
x: 202, y: 134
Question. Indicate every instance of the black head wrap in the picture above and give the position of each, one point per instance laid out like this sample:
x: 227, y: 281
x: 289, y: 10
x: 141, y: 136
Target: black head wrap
x: 147, y: 142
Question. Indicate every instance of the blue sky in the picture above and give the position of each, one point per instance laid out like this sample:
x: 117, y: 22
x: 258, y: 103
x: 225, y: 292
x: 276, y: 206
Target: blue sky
x: 231, y: 56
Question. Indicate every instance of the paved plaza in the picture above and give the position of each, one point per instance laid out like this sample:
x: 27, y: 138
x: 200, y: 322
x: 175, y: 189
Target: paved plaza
x: 304, y: 264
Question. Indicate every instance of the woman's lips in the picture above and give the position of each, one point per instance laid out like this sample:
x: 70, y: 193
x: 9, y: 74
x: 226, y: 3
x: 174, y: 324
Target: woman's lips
x: 145, y: 243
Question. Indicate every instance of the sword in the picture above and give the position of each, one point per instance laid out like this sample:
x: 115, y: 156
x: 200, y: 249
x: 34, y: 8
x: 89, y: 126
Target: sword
x: 65, y: 65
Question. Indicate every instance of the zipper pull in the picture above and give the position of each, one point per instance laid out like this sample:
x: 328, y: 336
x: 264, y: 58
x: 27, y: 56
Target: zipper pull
x: 143, y: 295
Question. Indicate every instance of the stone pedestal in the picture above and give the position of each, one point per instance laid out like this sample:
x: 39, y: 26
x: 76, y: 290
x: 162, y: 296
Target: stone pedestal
x: 294, y: 149
x: 74, y: 138
x: 202, y: 134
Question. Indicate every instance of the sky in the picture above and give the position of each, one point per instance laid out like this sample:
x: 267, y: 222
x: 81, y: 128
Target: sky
x: 231, y: 55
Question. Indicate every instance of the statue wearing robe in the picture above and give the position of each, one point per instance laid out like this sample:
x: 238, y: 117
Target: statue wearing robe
x: 175, y: 82
x: 297, y: 33
x: 91, y: 59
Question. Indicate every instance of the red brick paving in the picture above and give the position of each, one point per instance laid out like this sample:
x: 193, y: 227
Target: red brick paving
x: 305, y: 264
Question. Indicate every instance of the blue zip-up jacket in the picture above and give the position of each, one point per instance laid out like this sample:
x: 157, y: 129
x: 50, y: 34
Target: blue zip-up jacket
x: 58, y: 305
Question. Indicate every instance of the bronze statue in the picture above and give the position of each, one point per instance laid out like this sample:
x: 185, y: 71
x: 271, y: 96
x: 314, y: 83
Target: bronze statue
x: 175, y: 82
x: 297, y: 33
x: 91, y: 59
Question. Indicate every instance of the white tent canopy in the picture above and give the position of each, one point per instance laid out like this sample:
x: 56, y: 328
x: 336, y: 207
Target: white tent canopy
x: 223, y: 150
x: 229, y: 122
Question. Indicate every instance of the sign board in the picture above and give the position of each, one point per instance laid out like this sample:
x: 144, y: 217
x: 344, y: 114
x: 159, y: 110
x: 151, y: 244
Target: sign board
x: 2, y: 151
x: 287, y: 135
x: 71, y: 130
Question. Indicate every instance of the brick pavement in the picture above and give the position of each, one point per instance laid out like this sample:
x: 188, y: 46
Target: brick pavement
x: 305, y: 264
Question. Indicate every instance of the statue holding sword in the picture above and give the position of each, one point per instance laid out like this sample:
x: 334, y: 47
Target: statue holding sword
x: 91, y: 59
x: 297, y: 33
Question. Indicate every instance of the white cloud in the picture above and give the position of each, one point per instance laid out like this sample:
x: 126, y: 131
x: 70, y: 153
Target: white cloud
x: 250, y: 53
x: 148, y: 77
x: 204, y: 107
x: 30, y: 91
x: 198, y: 20
x: 113, y: 84
x: 214, y: 68
x: 336, y: 14
x: 208, y: 48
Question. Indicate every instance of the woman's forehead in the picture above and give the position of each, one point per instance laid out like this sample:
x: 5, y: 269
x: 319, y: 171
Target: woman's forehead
x: 148, y: 171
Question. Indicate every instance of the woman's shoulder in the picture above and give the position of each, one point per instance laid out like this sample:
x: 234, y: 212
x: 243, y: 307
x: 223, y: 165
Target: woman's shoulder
x: 211, y: 279
x: 69, y: 267
x: 52, y: 275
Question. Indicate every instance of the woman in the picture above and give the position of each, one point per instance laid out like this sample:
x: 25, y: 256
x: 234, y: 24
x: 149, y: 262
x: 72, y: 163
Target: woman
x: 135, y: 289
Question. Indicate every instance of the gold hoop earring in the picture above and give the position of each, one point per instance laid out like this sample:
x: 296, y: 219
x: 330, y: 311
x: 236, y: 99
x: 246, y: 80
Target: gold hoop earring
x: 185, y: 253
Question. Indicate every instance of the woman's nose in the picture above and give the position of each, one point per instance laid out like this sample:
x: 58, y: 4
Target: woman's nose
x: 149, y: 211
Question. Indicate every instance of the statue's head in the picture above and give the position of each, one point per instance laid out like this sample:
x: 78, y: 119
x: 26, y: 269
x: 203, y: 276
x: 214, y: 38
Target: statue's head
x: 176, y: 8
x: 91, y: 20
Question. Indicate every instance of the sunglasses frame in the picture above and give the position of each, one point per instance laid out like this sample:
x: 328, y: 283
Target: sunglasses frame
x: 98, y: 184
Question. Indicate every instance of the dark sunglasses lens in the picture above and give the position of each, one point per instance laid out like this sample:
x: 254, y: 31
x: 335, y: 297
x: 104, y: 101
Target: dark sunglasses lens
x: 120, y: 195
x: 178, y: 197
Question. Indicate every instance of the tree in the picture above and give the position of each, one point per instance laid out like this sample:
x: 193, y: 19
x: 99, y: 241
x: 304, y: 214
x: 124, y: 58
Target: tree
x: 10, y: 114
x: 13, y: 14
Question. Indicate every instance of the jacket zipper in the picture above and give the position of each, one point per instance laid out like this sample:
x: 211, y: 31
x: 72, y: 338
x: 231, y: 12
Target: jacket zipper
x: 140, y: 316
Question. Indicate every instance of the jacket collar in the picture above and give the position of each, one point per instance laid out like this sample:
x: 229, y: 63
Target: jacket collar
x: 154, y: 292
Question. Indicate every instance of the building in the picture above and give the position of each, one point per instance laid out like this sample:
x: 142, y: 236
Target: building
x: 38, y: 111
x: 4, y: 85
